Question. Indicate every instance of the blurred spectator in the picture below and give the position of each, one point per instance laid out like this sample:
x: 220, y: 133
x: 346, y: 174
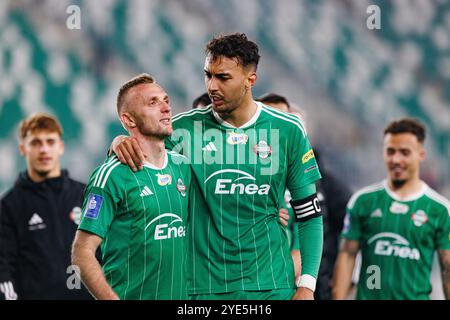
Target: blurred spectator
x: 333, y: 196
x: 201, y: 101
x: 38, y: 219
x: 397, y: 224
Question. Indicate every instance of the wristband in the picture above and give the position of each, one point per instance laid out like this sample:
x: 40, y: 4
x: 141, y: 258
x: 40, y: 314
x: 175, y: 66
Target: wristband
x: 307, y: 281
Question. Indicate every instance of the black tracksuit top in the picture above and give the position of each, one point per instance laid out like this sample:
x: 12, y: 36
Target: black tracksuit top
x: 37, y: 228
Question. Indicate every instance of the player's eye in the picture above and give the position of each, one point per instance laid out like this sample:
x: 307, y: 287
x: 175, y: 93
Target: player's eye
x: 406, y: 152
x: 35, y: 143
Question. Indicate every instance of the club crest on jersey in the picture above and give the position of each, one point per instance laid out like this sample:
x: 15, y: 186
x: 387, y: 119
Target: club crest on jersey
x: 419, y: 218
x: 237, y: 138
x: 397, y: 207
x: 181, y: 187
x: 75, y: 215
x: 262, y: 149
x: 164, y: 179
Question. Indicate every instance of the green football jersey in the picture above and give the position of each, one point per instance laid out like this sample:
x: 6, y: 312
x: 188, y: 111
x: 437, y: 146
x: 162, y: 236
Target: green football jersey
x: 142, y: 218
x: 398, y: 239
x: 239, y: 179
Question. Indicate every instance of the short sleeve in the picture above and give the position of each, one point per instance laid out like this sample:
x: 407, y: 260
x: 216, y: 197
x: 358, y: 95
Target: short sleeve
x: 352, y: 224
x: 443, y: 230
x: 302, y: 164
x: 101, y: 199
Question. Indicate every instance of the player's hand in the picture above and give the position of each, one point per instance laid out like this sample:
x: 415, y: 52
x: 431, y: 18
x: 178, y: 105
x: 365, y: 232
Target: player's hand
x: 284, y: 217
x: 128, y: 151
x: 303, y: 293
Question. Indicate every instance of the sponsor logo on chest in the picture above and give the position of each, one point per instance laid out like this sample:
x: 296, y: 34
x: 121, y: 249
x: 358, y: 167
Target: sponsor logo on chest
x: 398, y: 208
x: 168, y: 226
x: 164, y: 179
x: 36, y: 222
x: 237, y: 138
x: 393, y: 245
x: 240, y: 182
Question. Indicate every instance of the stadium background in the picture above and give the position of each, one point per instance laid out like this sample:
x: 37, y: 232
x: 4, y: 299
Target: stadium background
x: 348, y: 80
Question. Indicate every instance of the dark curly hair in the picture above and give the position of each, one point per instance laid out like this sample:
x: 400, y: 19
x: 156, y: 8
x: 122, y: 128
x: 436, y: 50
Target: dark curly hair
x: 407, y: 125
x: 234, y: 45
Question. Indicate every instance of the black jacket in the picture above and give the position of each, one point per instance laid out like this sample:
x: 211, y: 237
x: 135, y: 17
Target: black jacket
x: 37, y: 227
x: 333, y: 196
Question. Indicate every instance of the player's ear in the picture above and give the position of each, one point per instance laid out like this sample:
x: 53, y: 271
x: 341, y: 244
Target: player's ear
x: 127, y: 120
x: 61, y: 147
x: 422, y: 153
x: 22, y: 148
x: 251, y: 80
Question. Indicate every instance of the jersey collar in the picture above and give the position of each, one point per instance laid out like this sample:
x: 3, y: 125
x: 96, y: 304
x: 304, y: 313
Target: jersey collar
x: 153, y: 167
x: 245, y: 125
x: 412, y: 197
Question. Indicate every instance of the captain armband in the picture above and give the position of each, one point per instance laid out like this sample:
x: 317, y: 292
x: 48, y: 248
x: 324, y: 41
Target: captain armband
x: 307, y: 208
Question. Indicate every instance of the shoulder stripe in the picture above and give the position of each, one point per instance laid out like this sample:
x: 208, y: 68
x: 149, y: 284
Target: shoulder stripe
x: 176, y: 154
x: 102, y: 169
x: 191, y: 112
x: 369, y: 189
x: 283, y: 117
x: 438, y: 198
x: 284, y: 114
x: 108, y: 173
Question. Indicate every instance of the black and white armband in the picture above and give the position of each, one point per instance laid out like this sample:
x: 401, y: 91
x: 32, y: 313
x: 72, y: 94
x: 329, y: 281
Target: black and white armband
x: 306, y: 208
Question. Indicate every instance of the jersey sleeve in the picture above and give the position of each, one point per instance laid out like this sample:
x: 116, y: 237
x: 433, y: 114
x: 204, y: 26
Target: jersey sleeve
x: 302, y: 164
x: 9, y: 245
x: 352, y: 221
x: 102, y: 198
x: 443, y: 231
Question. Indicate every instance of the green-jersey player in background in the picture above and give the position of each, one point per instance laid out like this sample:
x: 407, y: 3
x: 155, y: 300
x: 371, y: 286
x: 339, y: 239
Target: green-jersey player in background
x: 140, y: 219
x: 397, y: 224
x: 243, y: 156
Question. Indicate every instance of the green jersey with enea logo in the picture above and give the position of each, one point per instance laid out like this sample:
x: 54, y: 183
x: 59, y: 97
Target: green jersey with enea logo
x: 399, y: 238
x: 239, y: 179
x: 142, y: 218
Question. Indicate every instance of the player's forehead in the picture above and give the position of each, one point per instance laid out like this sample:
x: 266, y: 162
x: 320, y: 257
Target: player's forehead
x: 148, y: 91
x: 42, y: 134
x: 221, y: 64
x: 401, y: 141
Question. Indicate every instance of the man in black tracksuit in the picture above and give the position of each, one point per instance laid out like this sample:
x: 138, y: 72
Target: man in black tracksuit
x: 38, y: 220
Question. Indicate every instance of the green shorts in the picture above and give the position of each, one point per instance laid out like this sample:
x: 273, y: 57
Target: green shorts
x: 277, y: 294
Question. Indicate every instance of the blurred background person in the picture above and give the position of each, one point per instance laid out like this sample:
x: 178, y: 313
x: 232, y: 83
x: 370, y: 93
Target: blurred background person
x: 398, y: 224
x: 39, y: 217
x: 201, y: 101
x: 333, y: 195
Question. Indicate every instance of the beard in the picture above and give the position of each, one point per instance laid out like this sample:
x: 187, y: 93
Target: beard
x: 398, y: 183
x: 145, y: 130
